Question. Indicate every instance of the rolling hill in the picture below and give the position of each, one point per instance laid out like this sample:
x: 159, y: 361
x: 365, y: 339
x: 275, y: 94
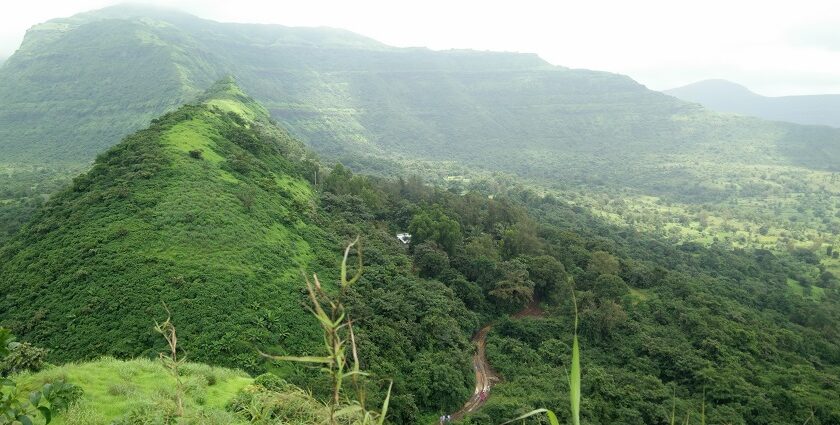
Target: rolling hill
x: 77, y: 84
x: 202, y: 203
x: 211, y: 213
x: 726, y: 96
x: 215, y: 211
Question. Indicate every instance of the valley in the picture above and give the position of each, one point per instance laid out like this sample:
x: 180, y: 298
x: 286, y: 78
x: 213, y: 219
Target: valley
x: 155, y: 164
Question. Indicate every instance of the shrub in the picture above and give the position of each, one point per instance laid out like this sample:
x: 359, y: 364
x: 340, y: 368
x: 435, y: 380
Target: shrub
x: 62, y: 395
x: 23, y: 357
x: 271, y: 382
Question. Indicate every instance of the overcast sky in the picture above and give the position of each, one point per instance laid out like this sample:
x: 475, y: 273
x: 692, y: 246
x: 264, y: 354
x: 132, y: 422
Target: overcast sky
x: 774, y: 48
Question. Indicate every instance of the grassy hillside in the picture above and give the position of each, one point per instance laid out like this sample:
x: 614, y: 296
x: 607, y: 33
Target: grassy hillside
x: 344, y: 94
x: 726, y: 96
x: 209, y: 211
x: 203, y: 203
x: 135, y: 390
x: 79, y: 84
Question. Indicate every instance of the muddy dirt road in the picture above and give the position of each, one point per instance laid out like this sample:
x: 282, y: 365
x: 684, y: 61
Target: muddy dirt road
x: 485, y: 377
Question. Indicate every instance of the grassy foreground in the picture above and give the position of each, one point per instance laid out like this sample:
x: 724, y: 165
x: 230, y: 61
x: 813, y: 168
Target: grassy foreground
x: 135, y: 391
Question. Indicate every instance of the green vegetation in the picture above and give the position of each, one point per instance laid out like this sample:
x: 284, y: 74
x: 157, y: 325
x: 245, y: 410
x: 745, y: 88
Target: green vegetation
x: 726, y: 96
x: 222, y: 236
x: 141, y: 390
x: 150, y: 223
x: 22, y: 405
x: 340, y: 345
x: 591, y: 136
x: 696, y: 318
x: 701, y: 246
x: 23, y: 190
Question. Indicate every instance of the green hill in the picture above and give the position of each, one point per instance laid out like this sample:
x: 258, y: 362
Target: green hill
x: 77, y: 84
x: 726, y: 96
x: 205, y: 202
x: 211, y: 212
x: 214, y: 210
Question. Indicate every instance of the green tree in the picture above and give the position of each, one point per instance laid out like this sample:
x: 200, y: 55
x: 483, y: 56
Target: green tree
x: 13, y: 410
x: 521, y: 239
x: 516, y: 288
x: 547, y: 273
x: 603, y: 262
x: 430, y: 260
x: 435, y: 226
x: 609, y: 287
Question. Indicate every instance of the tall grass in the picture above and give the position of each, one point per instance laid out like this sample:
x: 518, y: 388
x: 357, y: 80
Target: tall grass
x: 574, y: 381
x: 171, y: 361
x: 337, y: 328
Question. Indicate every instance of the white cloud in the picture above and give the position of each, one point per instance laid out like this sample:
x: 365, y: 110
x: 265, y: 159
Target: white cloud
x: 771, y: 47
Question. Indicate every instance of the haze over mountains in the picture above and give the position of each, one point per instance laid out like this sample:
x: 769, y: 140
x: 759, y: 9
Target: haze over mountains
x: 726, y: 96
x: 346, y: 95
x: 153, y: 163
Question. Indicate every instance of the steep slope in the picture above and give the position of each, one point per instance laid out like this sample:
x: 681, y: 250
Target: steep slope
x: 144, y: 391
x: 347, y: 95
x: 726, y: 96
x: 204, y: 211
x: 210, y: 211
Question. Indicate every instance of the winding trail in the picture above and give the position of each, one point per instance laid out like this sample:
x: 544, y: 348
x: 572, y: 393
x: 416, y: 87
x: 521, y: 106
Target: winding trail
x: 485, y: 376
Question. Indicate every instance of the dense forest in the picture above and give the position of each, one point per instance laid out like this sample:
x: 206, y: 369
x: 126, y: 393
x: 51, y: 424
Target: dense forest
x: 178, y: 213
x: 384, y: 110
x: 695, y: 255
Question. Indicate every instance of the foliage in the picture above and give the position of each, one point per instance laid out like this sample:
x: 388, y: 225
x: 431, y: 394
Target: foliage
x: 22, y: 356
x: 14, y: 409
x: 222, y: 238
x: 435, y: 226
x: 139, y: 391
x: 515, y: 289
x: 430, y: 260
x: 338, y: 332
x: 271, y: 400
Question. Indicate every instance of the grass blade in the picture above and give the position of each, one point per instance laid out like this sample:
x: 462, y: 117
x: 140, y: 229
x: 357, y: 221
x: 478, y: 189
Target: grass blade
x: 574, y: 382
x: 385, y: 404
x: 674, y: 408
x: 552, y: 418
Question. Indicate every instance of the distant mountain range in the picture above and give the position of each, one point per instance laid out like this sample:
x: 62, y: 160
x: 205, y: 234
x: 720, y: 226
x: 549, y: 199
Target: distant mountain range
x: 726, y: 96
x: 79, y: 84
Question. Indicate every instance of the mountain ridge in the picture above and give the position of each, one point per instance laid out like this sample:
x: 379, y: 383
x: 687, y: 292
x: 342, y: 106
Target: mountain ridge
x: 726, y: 96
x: 156, y: 244
x: 350, y: 102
